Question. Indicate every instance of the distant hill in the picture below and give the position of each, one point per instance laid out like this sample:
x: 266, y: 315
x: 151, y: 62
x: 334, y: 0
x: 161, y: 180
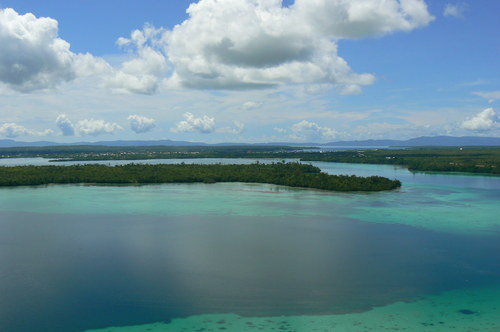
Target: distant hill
x: 454, y: 141
x: 8, y: 143
x: 425, y: 141
x: 368, y: 142
x: 419, y: 141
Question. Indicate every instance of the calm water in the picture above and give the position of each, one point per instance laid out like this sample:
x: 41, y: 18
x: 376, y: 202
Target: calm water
x: 266, y: 257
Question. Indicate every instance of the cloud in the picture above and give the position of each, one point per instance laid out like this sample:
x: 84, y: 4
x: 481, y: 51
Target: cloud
x: 483, y: 121
x: 241, y: 44
x: 454, y: 10
x: 65, y: 125
x: 250, y: 105
x: 33, y: 57
x: 141, y: 124
x: 203, y: 125
x: 224, y: 44
x: 13, y: 130
x: 86, y: 126
x: 144, y: 73
x: 88, y: 65
x: 361, y: 18
x: 236, y: 129
x: 351, y: 89
x: 490, y: 95
x: 280, y: 130
x: 96, y: 127
x: 311, y: 130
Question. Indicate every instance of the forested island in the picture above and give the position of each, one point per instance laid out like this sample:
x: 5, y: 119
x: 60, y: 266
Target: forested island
x: 469, y: 160
x: 450, y: 159
x: 287, y: 174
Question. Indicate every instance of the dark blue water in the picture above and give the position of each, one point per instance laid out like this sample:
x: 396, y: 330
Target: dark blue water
x: 62, y: 272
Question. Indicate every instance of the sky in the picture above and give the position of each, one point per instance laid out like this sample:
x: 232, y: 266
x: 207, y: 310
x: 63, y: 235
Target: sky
x: 248, y: 70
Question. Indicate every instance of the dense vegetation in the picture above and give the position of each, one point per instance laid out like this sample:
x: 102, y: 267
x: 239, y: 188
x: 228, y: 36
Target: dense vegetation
x: 450, y: 159
x: 97, y: 152
x: 473, y: 160
x: 288, y: 174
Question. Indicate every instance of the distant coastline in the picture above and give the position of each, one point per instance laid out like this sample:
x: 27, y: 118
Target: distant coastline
x: 481, y: 160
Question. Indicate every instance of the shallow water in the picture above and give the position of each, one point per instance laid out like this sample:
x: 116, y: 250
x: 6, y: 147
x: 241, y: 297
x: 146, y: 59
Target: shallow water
x: 473, y: 309
x: 252, y: 256
x: 45, y: 161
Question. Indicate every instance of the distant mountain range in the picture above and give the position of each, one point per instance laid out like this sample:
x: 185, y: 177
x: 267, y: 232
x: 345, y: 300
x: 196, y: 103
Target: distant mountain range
x: 419, y: 141
x: 425, y: 141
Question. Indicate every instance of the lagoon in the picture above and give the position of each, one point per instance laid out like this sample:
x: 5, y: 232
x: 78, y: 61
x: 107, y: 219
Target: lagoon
x: 252, y: 256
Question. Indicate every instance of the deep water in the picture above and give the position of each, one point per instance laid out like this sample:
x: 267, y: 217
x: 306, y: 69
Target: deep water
x: 86, y: 257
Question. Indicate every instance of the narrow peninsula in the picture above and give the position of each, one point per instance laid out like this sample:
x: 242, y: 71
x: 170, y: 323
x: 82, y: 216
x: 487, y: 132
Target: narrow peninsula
x: 281, y: 173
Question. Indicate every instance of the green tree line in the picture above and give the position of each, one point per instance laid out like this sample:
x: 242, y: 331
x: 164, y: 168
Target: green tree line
x: 449, y: 159
x: 471, y: 160
x: 288, y: 174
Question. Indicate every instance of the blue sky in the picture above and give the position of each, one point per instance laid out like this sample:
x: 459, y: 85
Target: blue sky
x: 248, y: 70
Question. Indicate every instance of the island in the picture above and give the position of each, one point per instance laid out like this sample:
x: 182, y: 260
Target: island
x: 292, y: 174
x: 484, y: 160
x: 473, y: 159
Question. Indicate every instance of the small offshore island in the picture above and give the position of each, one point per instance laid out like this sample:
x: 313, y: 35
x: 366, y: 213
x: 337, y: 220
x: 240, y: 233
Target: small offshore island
x: 281, y: 173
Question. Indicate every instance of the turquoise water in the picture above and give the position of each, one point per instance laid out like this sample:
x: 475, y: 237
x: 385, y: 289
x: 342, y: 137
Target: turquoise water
x: 45, y: 162
x: 452, y: 203
x: 445, y: 312
x: 244, y: 257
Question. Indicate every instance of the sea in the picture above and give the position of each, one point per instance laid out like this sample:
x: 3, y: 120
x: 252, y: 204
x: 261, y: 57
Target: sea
x: 252, y: 257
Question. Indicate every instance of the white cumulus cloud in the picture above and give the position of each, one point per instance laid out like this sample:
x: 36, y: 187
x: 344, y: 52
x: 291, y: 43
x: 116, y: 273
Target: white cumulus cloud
x: 191, y: 123
x: 311, y: 130
x: 141, y: 124
x: 96, y: 127
x: 65, y: 125
x: 224, y: 44
x: 33, y: 57
x: 13, y: 130
x: 454, y: 10
x: 483, y: 121
x: 361, y: 18
x: 144, y: 73
x: 236, y: 44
